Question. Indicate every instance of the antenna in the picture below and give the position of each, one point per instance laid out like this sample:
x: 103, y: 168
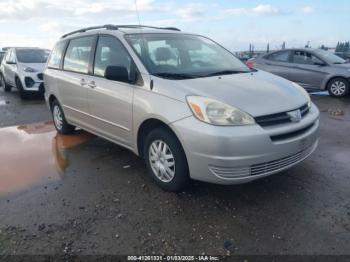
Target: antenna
x: 137, y: 12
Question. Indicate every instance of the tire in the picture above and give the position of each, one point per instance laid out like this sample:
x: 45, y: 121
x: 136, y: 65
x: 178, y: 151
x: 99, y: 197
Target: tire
x: 7, y: 88
x: 23, y: 94
x: 59, y: 119
x: 176, y: 176
x: 338, y: 87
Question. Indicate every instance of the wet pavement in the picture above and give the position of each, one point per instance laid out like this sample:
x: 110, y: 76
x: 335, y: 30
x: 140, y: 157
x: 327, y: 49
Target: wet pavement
x: 81, y: 194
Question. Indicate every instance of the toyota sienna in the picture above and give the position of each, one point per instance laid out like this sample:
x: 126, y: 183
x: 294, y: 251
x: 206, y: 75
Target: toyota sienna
x: 180, y: 101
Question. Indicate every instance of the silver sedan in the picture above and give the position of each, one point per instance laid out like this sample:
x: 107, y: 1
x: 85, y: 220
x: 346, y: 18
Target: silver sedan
x: 314, y: 69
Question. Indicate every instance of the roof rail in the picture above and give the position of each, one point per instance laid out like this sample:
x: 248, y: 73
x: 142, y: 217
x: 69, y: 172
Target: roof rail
x: 116, y: 27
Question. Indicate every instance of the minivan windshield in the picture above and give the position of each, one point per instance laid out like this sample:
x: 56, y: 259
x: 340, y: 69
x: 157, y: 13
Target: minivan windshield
x: 330, y: 57
x: 32, y: 55
x: 183, y: 56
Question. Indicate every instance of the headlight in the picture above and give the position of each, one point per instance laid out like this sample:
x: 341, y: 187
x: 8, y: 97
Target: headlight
x: 29, y: 70
x: 216, y: 113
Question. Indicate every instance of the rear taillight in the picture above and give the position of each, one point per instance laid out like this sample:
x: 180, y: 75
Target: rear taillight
x: 250, y: 63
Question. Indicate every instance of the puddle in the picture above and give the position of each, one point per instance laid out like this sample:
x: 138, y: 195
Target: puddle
x: 35, y: 154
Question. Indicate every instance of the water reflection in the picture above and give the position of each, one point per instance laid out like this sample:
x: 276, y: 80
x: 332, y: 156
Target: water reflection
x: 32, y: 155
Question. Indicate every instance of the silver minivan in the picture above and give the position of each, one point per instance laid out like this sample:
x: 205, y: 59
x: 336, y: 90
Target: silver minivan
x: 180, y: 101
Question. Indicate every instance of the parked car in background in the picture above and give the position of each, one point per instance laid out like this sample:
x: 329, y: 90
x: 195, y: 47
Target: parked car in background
x: 183, y: 103
x: 314, y: 69
x: 2, y: 53
x: 22, y: 68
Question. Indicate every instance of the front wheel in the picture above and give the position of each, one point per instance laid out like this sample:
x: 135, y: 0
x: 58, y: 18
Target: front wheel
x: 165, y: 160
x: 59, y: 120
x: 22, y: 93
x: 7, y: 88
x: 338, y: 87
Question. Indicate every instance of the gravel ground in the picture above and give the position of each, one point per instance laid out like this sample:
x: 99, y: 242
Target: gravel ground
x: 85, y: 195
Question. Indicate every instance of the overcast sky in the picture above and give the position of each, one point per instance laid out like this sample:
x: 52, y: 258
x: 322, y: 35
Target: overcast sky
x: 233, y: 23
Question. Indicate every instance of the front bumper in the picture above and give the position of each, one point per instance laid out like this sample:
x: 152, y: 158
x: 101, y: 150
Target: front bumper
x: 233, y: 155
x: 36, y: 84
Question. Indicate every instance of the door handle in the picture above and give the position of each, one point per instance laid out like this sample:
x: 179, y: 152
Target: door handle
x: 92, y: 84
x: 83, y: 82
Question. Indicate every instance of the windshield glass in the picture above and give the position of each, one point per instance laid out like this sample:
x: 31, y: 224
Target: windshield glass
x: 180, y: 56
x: 32, y: 55
x: 330, y: 57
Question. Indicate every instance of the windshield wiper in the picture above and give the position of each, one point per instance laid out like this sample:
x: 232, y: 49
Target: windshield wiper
x: 339, y: 63
x: 226, y: 72
x: 175, y: 76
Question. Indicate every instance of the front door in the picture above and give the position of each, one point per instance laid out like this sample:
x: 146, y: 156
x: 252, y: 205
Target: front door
x: 308, y: 70
x: 110, y: 102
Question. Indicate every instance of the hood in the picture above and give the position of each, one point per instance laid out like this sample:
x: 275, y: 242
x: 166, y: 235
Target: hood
x: 37, y: 66
x: 259, y: 93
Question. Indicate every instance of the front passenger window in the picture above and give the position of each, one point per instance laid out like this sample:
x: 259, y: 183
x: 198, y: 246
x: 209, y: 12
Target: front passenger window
x: 305, y: 58
x: 110, y: 52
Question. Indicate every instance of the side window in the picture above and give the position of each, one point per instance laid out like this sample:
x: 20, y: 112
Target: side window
x: 306, y: 58
x: 56, y: 55
x: 11, y: 57
x: 282, y: 56
x: 78, y: 55
x: 110, y: 52
x: 7, y: 56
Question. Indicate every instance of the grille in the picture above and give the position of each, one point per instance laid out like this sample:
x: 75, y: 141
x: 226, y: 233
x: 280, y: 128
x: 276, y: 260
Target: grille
x: 41, y: 76
x: 291, y: 134
x: 279, y: 118
x: 263, y: 168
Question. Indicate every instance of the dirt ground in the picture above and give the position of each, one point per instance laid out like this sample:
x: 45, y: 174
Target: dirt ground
x: 84, y: 195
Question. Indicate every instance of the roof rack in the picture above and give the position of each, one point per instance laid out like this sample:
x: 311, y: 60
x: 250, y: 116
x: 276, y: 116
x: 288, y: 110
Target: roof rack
x: 116, y: 27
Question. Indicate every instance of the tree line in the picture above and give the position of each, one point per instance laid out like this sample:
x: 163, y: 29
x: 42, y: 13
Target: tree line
x: 343, y: 47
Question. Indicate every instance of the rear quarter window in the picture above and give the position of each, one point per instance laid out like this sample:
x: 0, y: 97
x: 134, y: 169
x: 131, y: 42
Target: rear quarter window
x: 78, y: 54
x: 56, y: 55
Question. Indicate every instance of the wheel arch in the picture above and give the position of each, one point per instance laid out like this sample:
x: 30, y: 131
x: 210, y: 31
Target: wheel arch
x: 147, y: 126
x: 51, y: 99
x: 333, y: 77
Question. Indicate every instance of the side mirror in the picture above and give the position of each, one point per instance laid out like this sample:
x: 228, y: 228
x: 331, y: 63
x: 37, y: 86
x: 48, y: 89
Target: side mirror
x: 117, y: 73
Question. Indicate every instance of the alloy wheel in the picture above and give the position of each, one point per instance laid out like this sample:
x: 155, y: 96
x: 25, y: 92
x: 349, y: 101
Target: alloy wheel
x: 338, y: 88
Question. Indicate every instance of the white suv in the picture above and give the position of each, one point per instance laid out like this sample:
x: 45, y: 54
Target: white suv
x: 23, y: 68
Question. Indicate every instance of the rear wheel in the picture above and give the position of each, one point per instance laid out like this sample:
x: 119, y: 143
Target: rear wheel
x: 59, y: 119
x: 7, y: 88
x: 338, y: 87
x: 165, y: 160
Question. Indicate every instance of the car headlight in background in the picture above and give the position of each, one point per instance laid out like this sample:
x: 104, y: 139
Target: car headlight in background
x: 29, y: 69
x: 216, y: 113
